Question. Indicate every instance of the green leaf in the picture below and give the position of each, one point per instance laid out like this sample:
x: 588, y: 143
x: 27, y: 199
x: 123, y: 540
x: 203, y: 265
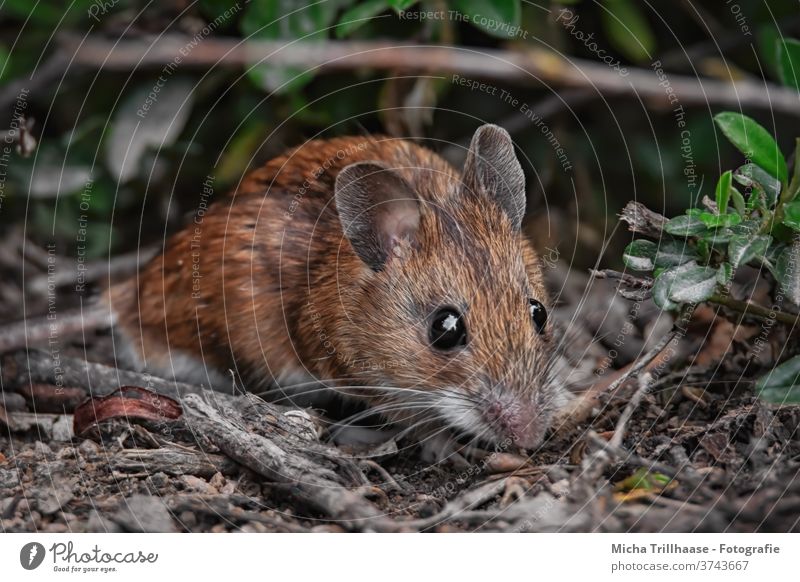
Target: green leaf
x: 743, y: 249
x: 774, y: 252
x: 718, y: 236
x: 793, y: 191
x: 754, y: 142
x: 281, y: 19
x: 782, y: 384
x: 750, y: 226
x: 787, y: 271
x: 495, y: 17
x: 51, y: 15
x: 356, y: 16
x: 240, y: 149
x: 789, y: 61
x: 766, y: 40
x: 723, y: 192
x: 791, y: 214
x: 693, y: 285
x: 661, y: 290
x: 672, y: 253
x: 738, y: 201
x: 680, y: 281
x: 628, y: 30
x: 400, y: 5
x: 640, y: 255
x: 643, y: 479
x: 704, y: 250
x: 752, y: 176
x: 685, y: 226
x: 719, y: 220
x: 724, y: 274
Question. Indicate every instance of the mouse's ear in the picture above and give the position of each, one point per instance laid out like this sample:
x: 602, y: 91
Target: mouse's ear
x: 378, y: 211
x: 492, y: 167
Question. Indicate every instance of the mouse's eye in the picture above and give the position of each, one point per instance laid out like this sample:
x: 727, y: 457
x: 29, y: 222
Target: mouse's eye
x: 538, y: 314
x: 448, y: 330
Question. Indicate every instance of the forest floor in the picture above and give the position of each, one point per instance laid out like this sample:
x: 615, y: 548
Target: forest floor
x: 681, y: 444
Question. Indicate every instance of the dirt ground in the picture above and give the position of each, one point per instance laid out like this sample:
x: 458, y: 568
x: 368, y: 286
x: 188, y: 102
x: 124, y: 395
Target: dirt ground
x: 682, y: 445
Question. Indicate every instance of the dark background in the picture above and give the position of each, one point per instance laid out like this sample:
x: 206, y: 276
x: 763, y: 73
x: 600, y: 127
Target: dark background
x: 224, y: 119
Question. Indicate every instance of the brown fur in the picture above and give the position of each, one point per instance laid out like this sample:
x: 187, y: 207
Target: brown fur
x: 282, y: 294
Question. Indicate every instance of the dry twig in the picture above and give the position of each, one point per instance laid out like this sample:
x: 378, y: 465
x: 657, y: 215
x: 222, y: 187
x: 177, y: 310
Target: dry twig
x: 314, y: 473
x: 519, y: 67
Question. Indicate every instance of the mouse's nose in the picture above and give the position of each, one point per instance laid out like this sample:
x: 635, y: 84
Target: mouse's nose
x: 518, y: 422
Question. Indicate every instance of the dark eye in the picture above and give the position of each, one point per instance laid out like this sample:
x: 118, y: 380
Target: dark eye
x: 448, y: 330
x: 538, y: 314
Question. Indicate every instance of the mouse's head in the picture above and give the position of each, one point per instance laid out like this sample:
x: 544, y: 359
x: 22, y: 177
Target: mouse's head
x: 449, y: 313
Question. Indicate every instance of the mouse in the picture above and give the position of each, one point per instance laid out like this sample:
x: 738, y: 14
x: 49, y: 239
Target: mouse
x: 366, y: 267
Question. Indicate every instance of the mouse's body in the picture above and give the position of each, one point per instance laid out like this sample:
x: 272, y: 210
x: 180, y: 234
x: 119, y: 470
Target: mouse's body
x: 362, y: 262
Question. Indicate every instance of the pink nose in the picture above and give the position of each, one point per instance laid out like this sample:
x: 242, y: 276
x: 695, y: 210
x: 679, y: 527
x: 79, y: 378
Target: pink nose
x: 517, y: 422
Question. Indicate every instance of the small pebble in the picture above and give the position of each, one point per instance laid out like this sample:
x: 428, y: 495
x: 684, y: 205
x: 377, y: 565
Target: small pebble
x: 144, y: 513
x: 14, y: 402
x: 197, y: 484
x: 217, y: 480
x: 51, y: 501
x: 89, y: 449
x: 158, y: 480
x: 42, y: 449
x: 62, y: 429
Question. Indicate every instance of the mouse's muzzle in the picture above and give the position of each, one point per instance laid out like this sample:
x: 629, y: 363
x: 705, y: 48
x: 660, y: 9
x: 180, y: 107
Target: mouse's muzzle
x: 515, y: 421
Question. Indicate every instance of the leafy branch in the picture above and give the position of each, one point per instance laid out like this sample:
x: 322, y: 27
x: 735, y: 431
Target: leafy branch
x: 754, y: 219
x: 698, y: 253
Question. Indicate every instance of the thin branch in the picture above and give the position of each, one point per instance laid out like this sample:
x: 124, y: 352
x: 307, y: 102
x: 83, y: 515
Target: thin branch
x: 640, y: 364
x: 619, y: 430
x: 35, y: 331
x: 749, y: 308
x: 516, y: 67
x: 580, y: 408
x: 642, y: 220
x: 114, y: 267
x: 594, y: 464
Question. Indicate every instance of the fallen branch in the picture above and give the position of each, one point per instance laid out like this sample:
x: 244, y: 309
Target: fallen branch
x: 314, y: 474
x: 172, y: 461
x: 40, y: 330
x: 110, y: 268
x: 23, y: 367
